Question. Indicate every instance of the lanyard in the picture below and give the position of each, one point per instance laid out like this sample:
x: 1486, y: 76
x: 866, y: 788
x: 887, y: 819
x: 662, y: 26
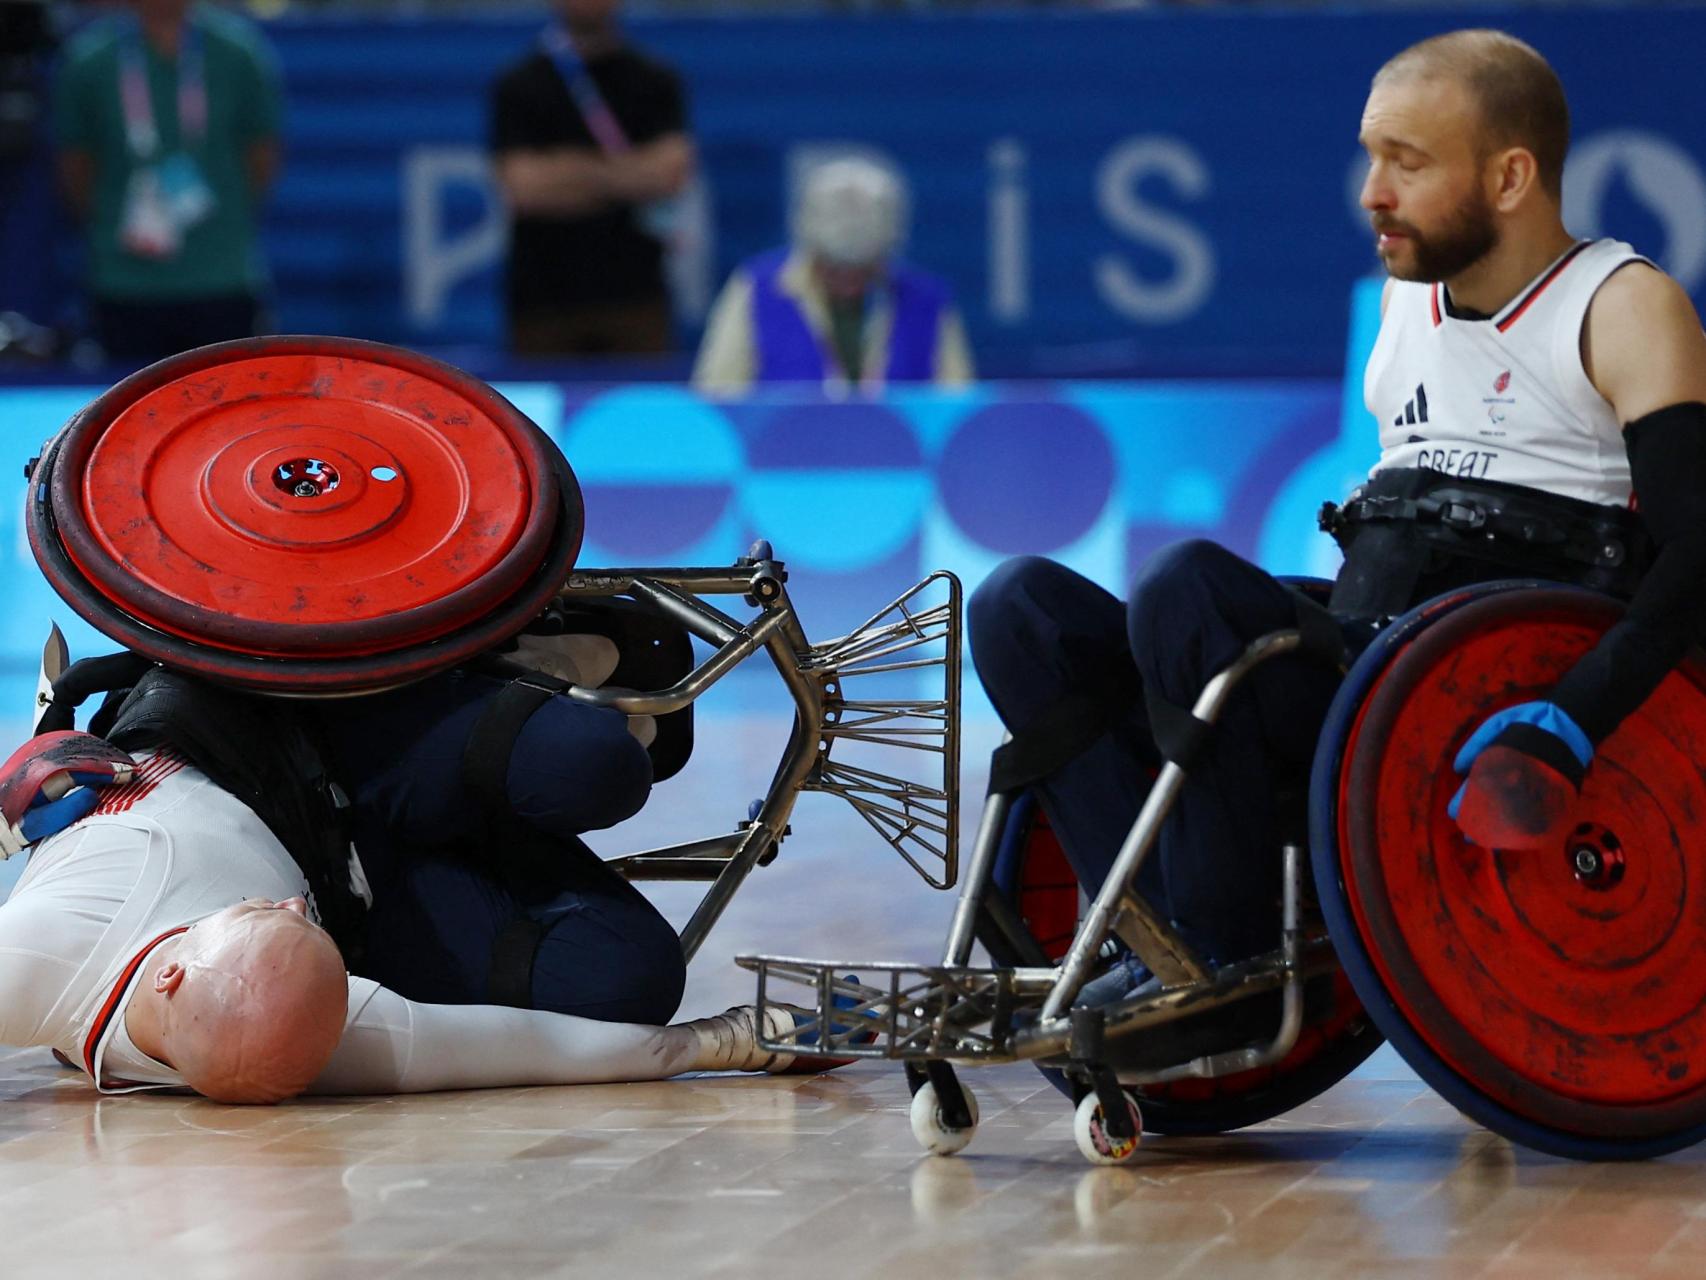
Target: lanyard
x: 141, y: 130
x: 601, y: 121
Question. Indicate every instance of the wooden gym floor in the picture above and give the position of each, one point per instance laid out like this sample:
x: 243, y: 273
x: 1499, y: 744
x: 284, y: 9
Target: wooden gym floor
x: 748, y: 1177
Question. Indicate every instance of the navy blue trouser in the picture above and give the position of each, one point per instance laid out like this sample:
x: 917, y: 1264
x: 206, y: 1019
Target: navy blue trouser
x: 1040, y: 633
x: 441, y: 896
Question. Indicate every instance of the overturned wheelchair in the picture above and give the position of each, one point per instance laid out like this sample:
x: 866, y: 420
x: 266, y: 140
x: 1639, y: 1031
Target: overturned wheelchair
x: 319, y: 517
x: 1556, y: 996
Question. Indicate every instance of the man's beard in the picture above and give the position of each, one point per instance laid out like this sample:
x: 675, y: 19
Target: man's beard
x: 1471, y: 235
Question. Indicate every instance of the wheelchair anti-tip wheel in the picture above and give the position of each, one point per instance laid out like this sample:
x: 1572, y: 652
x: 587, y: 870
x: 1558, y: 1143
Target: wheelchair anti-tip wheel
x: 304, y: 515
x: 932, y: 1128
x: 1557, y: 996
x: 1090, y: 1130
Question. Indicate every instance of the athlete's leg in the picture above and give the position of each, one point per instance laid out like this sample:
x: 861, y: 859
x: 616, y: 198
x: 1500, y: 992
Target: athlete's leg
x: 581, y: 941
x: 449, y: 888
x: 1041, y: 634
x: 1193, y: 609
x: 573, y: 769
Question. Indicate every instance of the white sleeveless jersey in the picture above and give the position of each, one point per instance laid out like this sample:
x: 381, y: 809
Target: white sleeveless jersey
x: 156, y: 855
x: 1505, y: 398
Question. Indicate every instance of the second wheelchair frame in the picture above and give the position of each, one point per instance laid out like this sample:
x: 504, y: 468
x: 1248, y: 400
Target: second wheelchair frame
x: 932, y: 1017
x: 1549, y: 995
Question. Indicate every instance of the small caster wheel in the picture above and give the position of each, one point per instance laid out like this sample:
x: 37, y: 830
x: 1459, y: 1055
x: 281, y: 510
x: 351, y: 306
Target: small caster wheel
x: 929, y: 1127
x: 1097, y: 1145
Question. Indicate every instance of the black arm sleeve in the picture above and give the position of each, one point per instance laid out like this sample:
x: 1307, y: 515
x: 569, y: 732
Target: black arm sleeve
x: 1667, y: 458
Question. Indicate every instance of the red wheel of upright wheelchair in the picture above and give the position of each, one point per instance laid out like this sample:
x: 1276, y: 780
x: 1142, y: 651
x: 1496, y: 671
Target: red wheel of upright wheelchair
x: 304, y: 514
x: 1557, y: 996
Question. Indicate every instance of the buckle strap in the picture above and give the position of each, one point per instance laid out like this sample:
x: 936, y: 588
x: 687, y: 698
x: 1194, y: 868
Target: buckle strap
x: 509, y: 982
x: 1587, y: 541
x: 491, y: 742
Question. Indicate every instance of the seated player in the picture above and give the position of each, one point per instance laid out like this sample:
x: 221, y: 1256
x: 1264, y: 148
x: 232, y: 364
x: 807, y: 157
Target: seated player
x: 1594, y: 363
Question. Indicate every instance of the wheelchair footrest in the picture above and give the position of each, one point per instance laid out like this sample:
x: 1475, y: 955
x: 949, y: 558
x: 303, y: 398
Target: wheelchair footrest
x: 896, y: 1011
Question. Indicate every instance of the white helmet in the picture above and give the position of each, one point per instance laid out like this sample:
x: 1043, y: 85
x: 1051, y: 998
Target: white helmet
x: 852, y: 213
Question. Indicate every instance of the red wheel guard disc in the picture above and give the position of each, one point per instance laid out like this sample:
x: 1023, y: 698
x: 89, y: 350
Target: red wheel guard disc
x: 308, y: 498
x: 1574, y: 998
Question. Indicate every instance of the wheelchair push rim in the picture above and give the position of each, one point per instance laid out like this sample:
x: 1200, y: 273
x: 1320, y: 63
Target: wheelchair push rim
x: 304, y: 514
x: 1557, y: 996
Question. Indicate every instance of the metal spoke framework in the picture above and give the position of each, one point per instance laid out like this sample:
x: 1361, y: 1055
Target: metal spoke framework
x: 897, y: 1011
x: 867, y: 748
x: 919, y: 633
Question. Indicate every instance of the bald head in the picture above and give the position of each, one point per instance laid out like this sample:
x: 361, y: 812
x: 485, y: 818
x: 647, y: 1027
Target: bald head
x: 254, y: 999
x: 1519, y: 97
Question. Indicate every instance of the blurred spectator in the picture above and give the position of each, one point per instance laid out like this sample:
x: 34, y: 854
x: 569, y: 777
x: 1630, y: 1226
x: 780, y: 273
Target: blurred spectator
x: 837, y: 308
x: 27, y: 213
x: 168, y: 123
x: 591, y: 145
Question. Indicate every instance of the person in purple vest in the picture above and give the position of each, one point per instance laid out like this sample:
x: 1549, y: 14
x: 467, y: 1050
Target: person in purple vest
x: 837, y: 308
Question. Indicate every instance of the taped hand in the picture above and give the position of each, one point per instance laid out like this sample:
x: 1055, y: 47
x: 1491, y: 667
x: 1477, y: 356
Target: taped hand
x: 51, y: 782
x: 1525, y: 766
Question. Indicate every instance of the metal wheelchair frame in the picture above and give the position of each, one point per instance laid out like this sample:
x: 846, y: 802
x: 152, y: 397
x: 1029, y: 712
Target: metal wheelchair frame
x: 920, y: 819
x: 932, y: 1016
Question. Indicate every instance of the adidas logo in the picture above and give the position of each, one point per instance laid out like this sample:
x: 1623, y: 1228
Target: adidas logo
x: 1414, y: 412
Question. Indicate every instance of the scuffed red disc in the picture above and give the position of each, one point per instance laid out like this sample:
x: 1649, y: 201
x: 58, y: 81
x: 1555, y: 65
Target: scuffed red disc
x: 306, y: 497
x: 1576, y: 1003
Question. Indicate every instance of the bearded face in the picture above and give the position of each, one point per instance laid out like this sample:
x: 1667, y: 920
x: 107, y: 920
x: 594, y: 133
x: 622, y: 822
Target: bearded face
x: 1465, y: 235
x: 1429, y: 167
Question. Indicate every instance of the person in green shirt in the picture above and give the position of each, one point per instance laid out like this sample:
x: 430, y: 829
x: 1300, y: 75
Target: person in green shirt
x: 167, y: 124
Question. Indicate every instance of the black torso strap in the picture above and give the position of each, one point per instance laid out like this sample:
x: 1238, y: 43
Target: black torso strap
x: 1407, y: 526
x: 265, y: 752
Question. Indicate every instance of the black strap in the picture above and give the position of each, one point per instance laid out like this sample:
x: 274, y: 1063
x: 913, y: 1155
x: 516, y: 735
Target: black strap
x: 1467, y: 515
x: 1545, y: 747
x: 1064, y: 731
x: 268, y: 753
x: 1494, y: 520
x: 1322, y: 635
x: 101, y: 674
x: 1181, y: 737
x: 491, y: 743
x: 510, y: 981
